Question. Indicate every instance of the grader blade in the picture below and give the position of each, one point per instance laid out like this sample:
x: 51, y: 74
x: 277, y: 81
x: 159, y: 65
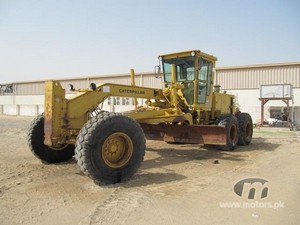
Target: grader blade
x: 196, y: 134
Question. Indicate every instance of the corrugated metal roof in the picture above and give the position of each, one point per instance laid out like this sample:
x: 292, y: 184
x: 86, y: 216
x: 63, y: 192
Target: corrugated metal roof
x: 237, y: 77
x: 84, y: 77
x: 259, y: 65
x: 249, y: 77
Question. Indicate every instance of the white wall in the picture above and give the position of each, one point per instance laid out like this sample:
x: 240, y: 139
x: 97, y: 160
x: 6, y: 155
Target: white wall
x: 4, y: 100
x: 249, y: 102
x: 248, y: 99
x: 25, y: 105
x: 297, y: 115
x: 32, y: 105
x: 29, y: 99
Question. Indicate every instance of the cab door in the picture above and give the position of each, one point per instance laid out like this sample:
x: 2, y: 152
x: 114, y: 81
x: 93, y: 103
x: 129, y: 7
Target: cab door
x: 204, y: 82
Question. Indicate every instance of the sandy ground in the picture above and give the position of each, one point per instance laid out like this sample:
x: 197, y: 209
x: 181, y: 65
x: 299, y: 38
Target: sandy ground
x: 176, y: 184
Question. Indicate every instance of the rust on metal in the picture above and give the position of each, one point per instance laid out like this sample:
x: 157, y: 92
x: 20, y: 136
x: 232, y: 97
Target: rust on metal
x: 196, y: 134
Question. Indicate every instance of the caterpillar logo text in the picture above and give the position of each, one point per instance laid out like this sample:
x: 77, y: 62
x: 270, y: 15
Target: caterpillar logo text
x: 128, y: 91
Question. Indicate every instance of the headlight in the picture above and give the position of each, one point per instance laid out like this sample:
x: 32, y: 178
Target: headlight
x: 93, y: 86
x: 71, y: 87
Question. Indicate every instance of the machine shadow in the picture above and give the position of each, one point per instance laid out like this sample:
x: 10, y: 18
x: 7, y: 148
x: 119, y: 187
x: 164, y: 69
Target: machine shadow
x: 258, y: 144
x: 147, y: 178
x: 177, y: 154
x: 171, y: 156
x: 182, y: 153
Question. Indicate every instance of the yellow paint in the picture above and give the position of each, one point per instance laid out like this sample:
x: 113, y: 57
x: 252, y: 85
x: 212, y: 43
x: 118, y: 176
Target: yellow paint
x: 64, y: 117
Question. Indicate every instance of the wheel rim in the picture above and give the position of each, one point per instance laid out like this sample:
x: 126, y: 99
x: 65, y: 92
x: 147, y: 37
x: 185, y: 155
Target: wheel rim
x: 117, y: 150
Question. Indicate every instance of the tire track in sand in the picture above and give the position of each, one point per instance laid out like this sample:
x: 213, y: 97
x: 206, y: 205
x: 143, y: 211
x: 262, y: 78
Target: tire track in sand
x: 119, y: 206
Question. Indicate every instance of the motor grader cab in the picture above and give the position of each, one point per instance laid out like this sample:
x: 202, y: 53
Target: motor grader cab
x: 109, y: 147
x: 194, y: 70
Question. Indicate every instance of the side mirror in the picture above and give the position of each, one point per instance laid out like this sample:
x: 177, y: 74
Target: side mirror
x: 157, y: 71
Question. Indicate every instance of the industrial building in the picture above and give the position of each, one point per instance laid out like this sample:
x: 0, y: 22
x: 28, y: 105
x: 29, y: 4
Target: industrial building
x: 245, y: 82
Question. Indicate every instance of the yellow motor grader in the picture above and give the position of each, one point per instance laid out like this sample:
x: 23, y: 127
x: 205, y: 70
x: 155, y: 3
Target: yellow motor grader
x: 109, y: 147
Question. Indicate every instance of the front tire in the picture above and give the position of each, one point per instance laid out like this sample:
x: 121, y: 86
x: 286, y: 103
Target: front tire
x: 35, y: 140
x: 110, y: 148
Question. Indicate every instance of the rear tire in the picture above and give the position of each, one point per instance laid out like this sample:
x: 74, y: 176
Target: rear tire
x: 35, y: 140
x: 232, y: 132
x: 245, y: 128
x: 110, y: 148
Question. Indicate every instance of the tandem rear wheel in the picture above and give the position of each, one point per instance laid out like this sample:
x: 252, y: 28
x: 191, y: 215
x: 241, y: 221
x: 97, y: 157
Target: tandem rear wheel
x: 239, y: 130
x: 245, y: 128
x: 232, y: 131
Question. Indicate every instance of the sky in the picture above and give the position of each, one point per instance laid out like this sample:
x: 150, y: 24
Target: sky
x: 50, y: 39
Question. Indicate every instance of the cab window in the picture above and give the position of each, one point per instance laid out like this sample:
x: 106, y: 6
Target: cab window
x: 185, y: 69
x: 204, y: 77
